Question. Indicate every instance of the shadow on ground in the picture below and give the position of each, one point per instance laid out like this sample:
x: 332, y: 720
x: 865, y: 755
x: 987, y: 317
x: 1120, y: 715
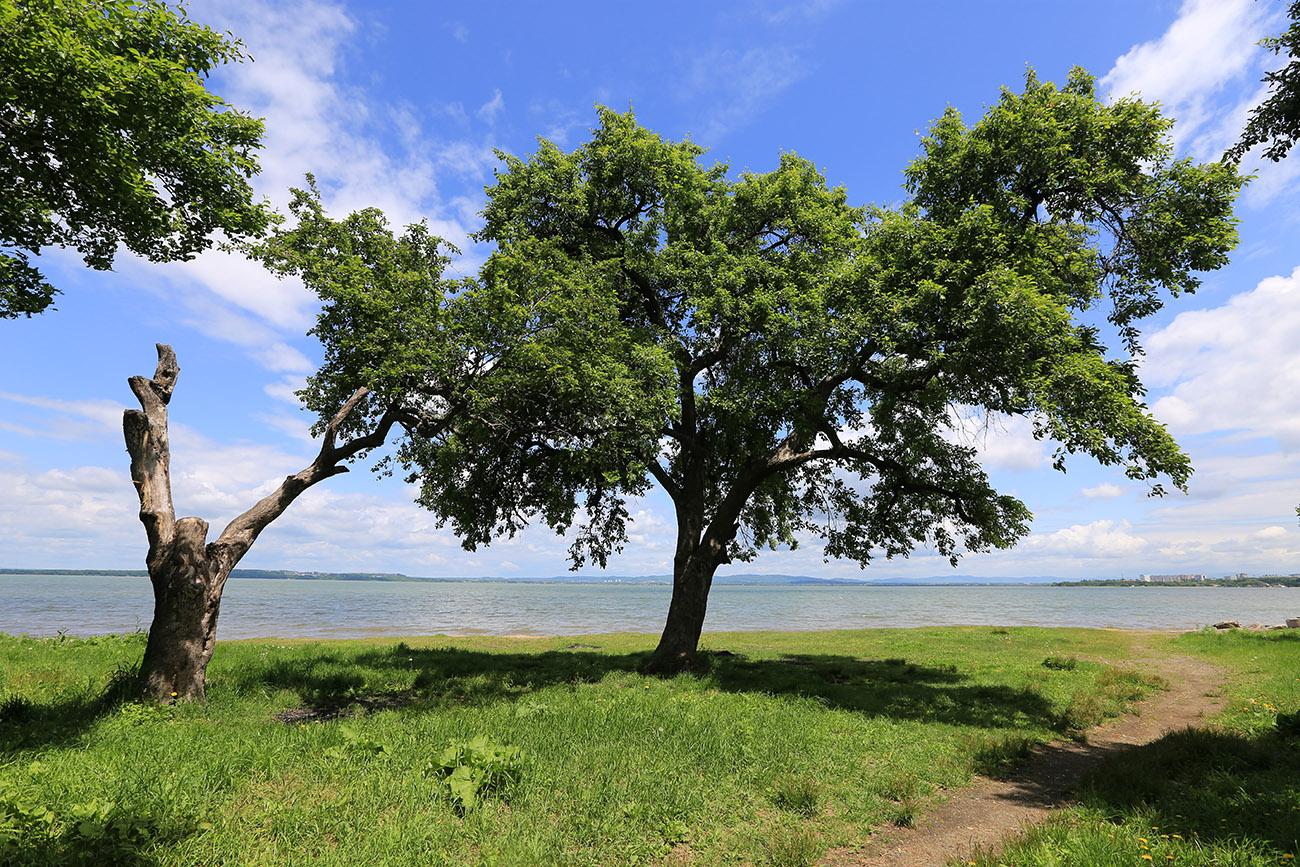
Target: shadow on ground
x: 1209, y: 785
x: 329, y: 684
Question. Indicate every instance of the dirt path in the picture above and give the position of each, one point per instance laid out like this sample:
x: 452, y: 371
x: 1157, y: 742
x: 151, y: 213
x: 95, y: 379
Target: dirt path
x: 990, y: 810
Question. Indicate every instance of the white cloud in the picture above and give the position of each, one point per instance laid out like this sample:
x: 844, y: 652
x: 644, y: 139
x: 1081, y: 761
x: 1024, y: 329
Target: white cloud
x: 735, y: 85
x: 1205, y: 71
x: 1001, y: 442
x: 1104, y: 491
x: 87, y: 420
x: 490, y: 109
x: 1233, y: 368
x: 1210, y: 43
x: 314, y: 123
x: 1099, y: 539
x: 287, y: 389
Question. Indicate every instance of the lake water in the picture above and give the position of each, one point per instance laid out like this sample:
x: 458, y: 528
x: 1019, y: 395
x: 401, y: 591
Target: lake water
x: 260, y: 608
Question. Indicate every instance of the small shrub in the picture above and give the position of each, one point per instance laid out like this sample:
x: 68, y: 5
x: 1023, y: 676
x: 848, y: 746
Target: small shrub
x: 903, y: 814
x: 123, y: 684
x: 1061, y: 663
x: 474, y: 768
x: 1084, y: 711
x: 793, y: 847
x: 796, y: 794
x: 991, y: 752
x: 16, y: 709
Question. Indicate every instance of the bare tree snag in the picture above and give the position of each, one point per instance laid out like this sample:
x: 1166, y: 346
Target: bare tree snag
x: 188, y: 572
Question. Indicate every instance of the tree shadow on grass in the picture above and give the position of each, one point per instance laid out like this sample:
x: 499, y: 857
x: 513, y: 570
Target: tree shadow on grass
x: 1208, y: 785
x: 330, y: 684
x: 113, y: 838
x: 27, y: 725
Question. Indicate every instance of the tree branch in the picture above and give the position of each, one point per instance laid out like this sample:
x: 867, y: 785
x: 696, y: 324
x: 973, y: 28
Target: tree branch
x: 240, y: 533
x: 145, y: 431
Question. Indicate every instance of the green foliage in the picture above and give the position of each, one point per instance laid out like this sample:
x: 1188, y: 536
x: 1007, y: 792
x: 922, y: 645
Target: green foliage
x: 797, y: 794
x: 28, y: 822
x: 1061, y: 663
x: 568, y: 395
x: 108, y: 137
x: 1276, y: 120
x: 797, y: 846
x: 821, y: 352
x: 475, y: 768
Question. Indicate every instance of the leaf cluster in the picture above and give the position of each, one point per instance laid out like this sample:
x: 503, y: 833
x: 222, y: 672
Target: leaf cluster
x: 475, y: 768
x: 819, y: 351
x: 1276, y: 120
x: 520, y: 368
x: 108, y: 136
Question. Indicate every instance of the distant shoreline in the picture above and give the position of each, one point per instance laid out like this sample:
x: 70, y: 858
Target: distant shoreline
x: 664, y: 580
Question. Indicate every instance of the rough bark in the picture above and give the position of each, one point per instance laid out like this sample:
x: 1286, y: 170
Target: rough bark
x: 680, y: 640
x: 699, y: 554
x: 189, y: 573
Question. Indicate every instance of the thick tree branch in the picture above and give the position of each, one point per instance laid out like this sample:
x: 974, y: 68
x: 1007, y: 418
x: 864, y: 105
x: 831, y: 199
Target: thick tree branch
x: 665, y: 480
x: 145, y: 430
x: 240, y: 534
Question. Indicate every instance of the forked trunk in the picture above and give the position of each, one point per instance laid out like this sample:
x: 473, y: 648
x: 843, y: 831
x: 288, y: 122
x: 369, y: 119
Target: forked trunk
x: 187, y: 572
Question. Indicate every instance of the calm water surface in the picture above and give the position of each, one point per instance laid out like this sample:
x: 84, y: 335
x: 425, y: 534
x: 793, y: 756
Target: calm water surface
x: 258, y: 608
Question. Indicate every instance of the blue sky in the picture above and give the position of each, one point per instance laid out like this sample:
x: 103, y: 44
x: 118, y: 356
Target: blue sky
x: 401, y: 105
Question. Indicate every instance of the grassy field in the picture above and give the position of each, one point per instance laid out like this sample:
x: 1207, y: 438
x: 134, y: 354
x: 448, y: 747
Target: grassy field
x: 1226, y: 795
x: 498, y: 751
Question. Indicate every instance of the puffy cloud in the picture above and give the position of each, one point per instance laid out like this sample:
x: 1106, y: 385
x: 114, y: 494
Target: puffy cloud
x: 1209, y: 44
x: 313, y: 123
x: 1205, y: 71
x: 1104, y: 491
x: 1099, y: 539
x: 1234, y: 367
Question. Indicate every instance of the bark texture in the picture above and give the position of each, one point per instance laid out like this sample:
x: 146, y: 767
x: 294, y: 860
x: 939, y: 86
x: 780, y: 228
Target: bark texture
x: 188, y: 572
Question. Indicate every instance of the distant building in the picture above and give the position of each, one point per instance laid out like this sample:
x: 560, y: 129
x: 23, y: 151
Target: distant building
x: 1171, y: 579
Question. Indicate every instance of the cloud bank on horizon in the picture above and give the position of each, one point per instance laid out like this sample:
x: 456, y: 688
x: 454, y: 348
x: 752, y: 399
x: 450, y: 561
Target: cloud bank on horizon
x: 403, y: 109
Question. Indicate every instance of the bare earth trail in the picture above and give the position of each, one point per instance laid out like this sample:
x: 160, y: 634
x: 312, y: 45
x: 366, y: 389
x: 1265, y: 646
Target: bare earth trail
x: 987, y: 812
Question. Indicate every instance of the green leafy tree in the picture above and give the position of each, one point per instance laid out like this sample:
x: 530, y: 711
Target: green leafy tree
x: 819, y: 351
x: 1276, y: 120
x: 407, y: 352
x: 108, y: 137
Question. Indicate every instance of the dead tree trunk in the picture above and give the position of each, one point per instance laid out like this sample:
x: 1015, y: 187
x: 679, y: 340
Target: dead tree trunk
x: 187, y: 571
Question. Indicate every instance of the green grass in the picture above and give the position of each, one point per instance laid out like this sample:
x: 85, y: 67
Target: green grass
x: 787, y: 746
x: 1228, y: 794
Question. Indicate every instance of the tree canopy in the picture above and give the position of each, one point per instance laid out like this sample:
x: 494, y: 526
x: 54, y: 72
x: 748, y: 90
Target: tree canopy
x: 1276, y: 121
x: 108, y: 136
x: 410, y: 354
x: 820, y: 351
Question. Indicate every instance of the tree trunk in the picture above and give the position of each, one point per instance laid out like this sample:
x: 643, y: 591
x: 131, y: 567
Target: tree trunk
x: 681, y: 636
x: 187, y: 572
x: 187, y: 598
